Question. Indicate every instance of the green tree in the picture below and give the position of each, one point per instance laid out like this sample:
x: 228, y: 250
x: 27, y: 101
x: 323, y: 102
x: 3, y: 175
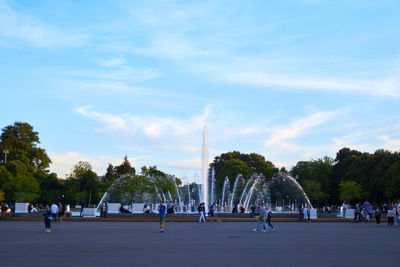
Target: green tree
x: 82, y: 184
x: 349, y: 190
x: 314, y: 192
x: 21, y: 141
x: 125, y: 167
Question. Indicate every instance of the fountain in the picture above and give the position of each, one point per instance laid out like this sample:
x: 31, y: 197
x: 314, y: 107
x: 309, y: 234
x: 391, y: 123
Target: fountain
x: 226, y: 186
x: 205, y: 170
x: 290, y: 178
x: 238, y: 177
x: 212, y: 185
x: 179, y: 195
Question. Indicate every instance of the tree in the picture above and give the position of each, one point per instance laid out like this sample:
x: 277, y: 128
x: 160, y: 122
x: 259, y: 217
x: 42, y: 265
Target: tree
x: 125, y: 167
x: 349, y: 190
x: 314, y: 192
x: 21, y: 141
x: 82, y: 184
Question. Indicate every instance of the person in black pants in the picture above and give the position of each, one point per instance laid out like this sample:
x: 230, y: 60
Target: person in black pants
x: 47, y: 217
x: 378, y: 215
x: 390, y: 216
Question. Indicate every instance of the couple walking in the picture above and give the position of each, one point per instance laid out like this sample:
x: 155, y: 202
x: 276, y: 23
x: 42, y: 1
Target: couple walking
x: 264, y: 218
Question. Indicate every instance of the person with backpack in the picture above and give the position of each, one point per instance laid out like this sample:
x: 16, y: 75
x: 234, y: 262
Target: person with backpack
x: 202, y: 212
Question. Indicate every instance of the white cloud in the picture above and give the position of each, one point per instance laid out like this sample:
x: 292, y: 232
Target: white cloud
x: 152, y: 127
x: 63, y: 163
x: 116, y: 61
x: 20, y: 29
x: 301, y: 126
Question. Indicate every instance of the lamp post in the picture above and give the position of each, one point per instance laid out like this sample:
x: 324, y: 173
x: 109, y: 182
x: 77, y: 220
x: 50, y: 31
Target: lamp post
x: 5, y: 155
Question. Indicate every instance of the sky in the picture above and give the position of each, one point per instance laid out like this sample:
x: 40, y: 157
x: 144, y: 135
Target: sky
x: 290, y: 80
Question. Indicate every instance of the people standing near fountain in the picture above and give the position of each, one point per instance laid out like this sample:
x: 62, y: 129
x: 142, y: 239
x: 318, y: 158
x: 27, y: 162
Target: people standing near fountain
x: 161, y: 216
x: 202, y: 212
x: 47, y: 217
x: 261, y: 218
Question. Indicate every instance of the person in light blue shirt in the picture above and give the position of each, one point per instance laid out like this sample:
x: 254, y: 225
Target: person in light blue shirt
x: 262, y: 217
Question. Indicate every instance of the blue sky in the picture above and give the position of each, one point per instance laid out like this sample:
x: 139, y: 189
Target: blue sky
x: 291, y: 80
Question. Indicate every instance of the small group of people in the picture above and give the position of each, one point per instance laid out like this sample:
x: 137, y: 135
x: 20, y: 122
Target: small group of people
x: 56, y: 210
x: 6, y: 211
x: 264, y: 218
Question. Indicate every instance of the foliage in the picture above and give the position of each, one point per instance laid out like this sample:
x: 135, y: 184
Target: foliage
x: 349, y: 190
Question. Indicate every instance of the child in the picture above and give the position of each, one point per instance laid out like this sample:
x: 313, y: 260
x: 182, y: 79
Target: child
x: 47, y: 218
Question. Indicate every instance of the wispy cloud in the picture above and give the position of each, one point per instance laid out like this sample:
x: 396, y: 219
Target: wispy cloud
x: 152, y: 127
x: 24, y: 30
x: 301, y: 126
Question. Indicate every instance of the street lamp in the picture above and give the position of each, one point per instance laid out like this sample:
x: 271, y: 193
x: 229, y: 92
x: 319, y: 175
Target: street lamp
x: 5, y: 155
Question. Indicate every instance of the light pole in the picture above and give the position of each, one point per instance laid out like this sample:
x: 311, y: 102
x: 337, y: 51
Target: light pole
x: 5, y: 155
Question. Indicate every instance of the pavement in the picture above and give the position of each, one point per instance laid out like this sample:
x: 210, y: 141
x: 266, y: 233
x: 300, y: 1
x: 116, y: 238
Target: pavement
x: 79, y: 243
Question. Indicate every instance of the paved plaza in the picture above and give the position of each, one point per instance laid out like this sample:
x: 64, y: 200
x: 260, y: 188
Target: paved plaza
x: 192, y: 244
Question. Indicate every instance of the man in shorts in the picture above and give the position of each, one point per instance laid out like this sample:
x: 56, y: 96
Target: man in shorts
x: 161, y: 216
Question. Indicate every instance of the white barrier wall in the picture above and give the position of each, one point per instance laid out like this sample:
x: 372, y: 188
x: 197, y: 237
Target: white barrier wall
x: 137, y: 207
x: 113, y: 208
x: 21, y: 207
x: 313, y: 214
x: 349, y: 214
x: 89, y: 212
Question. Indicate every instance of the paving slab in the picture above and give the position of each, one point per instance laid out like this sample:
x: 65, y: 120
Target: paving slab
x: 25, y: 243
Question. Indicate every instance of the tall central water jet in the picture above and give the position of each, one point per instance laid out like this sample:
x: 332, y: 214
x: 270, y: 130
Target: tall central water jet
x: 205, y: 169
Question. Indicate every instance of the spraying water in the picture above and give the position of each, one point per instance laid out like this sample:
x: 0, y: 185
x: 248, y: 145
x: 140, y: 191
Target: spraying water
x: 238, y: 177
x: 284, y: 175
x: 248, y: 198
x: 212, y: 185
x: 244, y: 191
x: 179, y: 195
x: 205, y: 169
x: 226, y: 185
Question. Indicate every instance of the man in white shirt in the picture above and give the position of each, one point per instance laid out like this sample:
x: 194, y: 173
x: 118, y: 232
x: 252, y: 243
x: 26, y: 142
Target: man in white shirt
x: 54, y: 211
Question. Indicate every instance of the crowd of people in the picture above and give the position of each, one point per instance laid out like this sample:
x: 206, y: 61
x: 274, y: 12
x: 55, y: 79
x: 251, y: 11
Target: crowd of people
x: 364, y: 212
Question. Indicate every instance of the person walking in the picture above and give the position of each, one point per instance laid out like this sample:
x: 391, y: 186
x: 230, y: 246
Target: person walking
x: 161, y: 216
x: 269, y: 216
x: 261, y: 218
x: 54, y: 211
x: 357, y: 213
x: 308, y: 214
x: 390, y: 215
x: 202, y: 212
x: 378, y: 215
x: 47, y: 217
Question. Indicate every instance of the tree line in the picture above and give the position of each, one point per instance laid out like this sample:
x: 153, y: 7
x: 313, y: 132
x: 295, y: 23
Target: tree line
x: 352, y: 175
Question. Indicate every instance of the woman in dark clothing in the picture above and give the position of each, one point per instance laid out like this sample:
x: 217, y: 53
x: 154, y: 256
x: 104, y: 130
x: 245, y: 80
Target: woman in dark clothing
x: 47, y: 217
